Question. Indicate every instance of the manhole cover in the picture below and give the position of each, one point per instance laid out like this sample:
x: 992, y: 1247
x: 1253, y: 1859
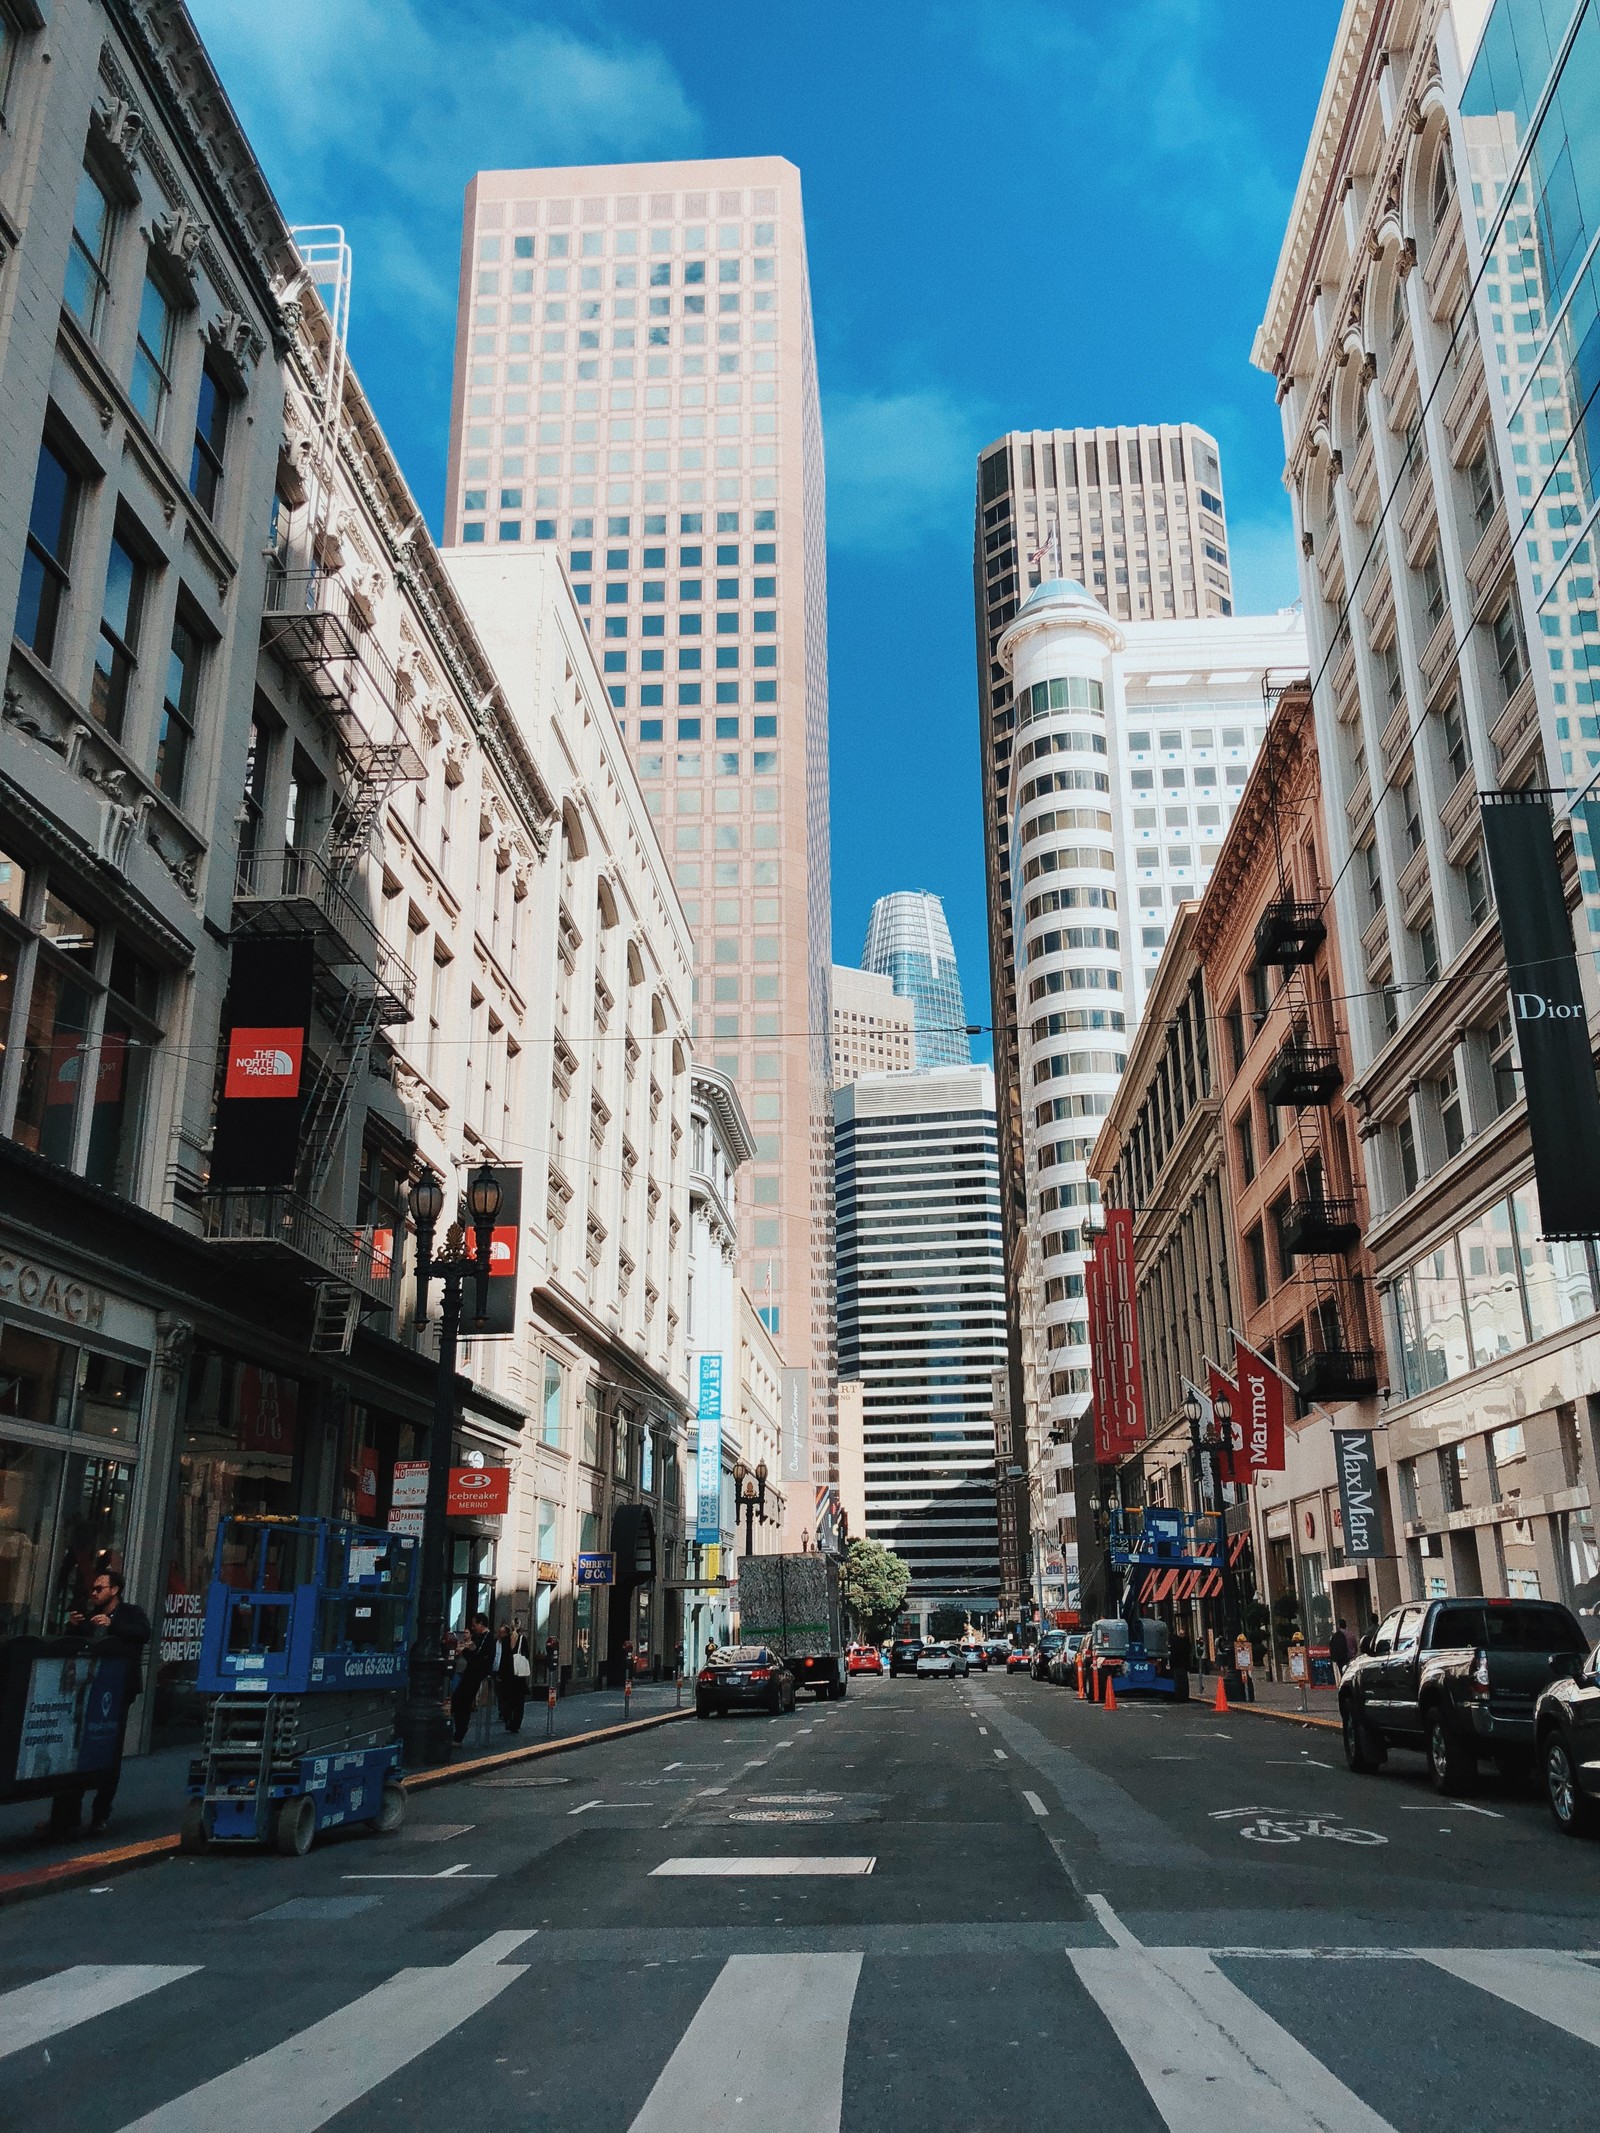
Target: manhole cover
x: 785, y: 1814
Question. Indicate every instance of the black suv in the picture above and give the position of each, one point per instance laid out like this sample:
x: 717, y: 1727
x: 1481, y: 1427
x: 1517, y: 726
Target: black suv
x: 903, y: 1655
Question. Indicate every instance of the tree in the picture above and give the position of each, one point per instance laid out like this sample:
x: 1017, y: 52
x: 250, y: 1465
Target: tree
x: 874, y: 1582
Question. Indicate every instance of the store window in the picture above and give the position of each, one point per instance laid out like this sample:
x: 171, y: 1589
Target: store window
x: 69, y: 1430
x: 583, y: 1605
x: 81, y: 1003
x: 472, y: 1579
x: 550, y: 1427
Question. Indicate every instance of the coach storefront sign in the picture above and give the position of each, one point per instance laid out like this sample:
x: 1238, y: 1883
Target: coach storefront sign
x: 69, y: 1302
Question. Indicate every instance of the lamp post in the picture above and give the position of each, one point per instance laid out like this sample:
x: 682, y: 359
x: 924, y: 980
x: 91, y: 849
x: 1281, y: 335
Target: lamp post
x: 750, y: 1493
x: 424, y: 1731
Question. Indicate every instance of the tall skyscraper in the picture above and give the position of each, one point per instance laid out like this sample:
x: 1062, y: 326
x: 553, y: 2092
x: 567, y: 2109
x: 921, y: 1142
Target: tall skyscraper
x: 908, y: 942
x: 874, y: 1030
x: 636, y: 384
x: 1133, y: 742
x: 922, y: 1320
x: 1136, y: 516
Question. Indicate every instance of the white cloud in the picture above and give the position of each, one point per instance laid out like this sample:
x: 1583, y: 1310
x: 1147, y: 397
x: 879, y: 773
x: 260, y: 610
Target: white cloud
x: 901, y: 467
x: 1266, y: 575
x: 375, y: 113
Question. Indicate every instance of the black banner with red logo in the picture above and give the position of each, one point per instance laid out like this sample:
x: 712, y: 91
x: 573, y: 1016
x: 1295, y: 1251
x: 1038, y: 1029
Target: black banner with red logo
x: 1547, y: 1011
x: 266, y: 1027
x: 503, y: 1259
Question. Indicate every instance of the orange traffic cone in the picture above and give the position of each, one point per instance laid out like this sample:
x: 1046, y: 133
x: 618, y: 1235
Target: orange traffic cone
x: 1111, y: 1693
x: 1083, y: 1694
x: 1221, y: 1702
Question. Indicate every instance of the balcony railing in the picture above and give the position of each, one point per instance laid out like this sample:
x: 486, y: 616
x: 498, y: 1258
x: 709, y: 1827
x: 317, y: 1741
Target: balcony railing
x: 274, y: 1225
x: 1339, y: 1374
x: 1321, y: 1225
x: 1289, y: 933
x: 297, y: 892
x: 1302, y: 1075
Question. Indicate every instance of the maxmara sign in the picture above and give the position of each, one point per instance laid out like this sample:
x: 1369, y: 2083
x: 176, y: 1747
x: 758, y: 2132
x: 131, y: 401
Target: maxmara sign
x: 41, y: 1288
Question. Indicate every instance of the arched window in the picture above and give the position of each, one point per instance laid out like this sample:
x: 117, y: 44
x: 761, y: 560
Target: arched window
x: 1397, y: 312
x: 1443, y: 186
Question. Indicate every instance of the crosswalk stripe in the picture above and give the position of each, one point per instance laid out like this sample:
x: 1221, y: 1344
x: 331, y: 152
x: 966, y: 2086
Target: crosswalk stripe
x: 1541, y: 1981
x: 756, y: 1868
x: 764, y: 2053
x: 35, y: 2013
x: 1212, y: 2060
x: 303, y: 2082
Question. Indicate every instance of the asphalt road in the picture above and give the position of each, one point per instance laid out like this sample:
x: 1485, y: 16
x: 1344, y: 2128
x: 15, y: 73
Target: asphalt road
x: 934, y: 1908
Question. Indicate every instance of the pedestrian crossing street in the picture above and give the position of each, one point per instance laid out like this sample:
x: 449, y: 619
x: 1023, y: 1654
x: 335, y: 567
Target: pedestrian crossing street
x: 807, y: 2042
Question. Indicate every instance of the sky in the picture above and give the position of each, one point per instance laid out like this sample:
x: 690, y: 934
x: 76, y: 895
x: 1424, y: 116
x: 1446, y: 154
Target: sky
x: 1019, y: 213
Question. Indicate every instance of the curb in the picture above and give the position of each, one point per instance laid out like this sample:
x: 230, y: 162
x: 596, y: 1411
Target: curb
x: 1288, y: 1718
x: 122, y: 1859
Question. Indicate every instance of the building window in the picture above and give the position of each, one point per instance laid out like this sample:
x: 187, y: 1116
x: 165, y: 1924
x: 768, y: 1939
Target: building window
x: 51, y: 523
x: 1405, y: 1141
x: 116, y: 656
x: 1255, y: 1246
x: 1247, y: 1148
x: 210, y: 439
x: 1475, y: 881
x: 1279, y: 1216
x: 1374, y: 875
x: 1432, y: 591
x: 88, y: 261
x: 1454, y: 736
x: 1411, y: 814
x: 1447, y: 1095
x: 1509, y: 656
x: 1483, y: 487
x: 178, y: 710
x: 152, y: 357
x: 1503, y: 1073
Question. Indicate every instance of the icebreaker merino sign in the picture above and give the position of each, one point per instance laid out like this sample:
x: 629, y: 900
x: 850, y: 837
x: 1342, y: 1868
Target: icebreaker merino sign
x: 1547, y: 1007
x: 1358, y: 1494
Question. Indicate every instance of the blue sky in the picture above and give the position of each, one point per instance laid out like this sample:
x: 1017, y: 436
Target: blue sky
x: 1018, y: 212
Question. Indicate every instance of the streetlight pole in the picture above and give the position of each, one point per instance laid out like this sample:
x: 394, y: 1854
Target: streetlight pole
x: 424, y: 1730
x: 1204, y: 1442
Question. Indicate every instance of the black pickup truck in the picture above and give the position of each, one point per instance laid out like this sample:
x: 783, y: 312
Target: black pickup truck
x: 1457, y: 1679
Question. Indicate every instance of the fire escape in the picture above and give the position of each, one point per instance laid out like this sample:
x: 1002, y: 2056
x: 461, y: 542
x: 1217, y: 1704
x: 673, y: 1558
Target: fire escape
x: 322, y: 629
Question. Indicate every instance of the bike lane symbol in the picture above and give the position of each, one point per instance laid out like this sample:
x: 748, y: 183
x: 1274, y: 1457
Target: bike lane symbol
x: 1274, y: 1825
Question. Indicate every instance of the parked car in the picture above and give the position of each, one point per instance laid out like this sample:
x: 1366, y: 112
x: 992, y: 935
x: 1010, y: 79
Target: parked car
x: 1044, y: 1651
x: 1566, y: 1728
x: 1064, y: 1663
x: 1459, y: 1680
x: 1019, y: 1658
x: 741, y: 1677
x: 941, y: 1660
x: 864, y: 1659
x: 903, y: 1655
x: 999, y: 1651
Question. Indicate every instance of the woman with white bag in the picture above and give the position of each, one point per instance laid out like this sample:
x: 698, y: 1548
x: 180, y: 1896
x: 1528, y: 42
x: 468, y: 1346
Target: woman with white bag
x: 512, y: 1674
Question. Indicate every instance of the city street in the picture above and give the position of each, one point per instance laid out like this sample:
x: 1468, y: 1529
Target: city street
x: 935, y: 1908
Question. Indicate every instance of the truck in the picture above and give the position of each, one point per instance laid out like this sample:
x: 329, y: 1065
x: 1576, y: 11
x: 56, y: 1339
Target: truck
x: 792, y: 1603
x: 1459, y: 1680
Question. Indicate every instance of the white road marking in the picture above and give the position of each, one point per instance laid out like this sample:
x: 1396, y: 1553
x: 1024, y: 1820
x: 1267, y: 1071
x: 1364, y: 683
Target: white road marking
x: 758, y: 1869
x: 310, y: 2077
x: 983, y: 1732
x: 1036, y: 1803
x: 1001, y: 1756
x: 672, y: 1766
x: 584, y: 1809
x: 1172, y: 1758
x: 35, y: 2013
x: 462, y: 1872
x: 1558, y: 1988
x: 764, y: 2053
x: 1212, y: 2060
x: 1111, y: 1923
x: 1456, y: 1807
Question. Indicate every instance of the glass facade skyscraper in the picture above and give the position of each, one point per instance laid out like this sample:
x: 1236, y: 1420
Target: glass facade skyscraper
x: 908, y: 942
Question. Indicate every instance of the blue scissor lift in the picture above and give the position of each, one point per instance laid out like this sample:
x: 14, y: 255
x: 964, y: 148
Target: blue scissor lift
x: 308, y: 1630
x: 1158, y: 1537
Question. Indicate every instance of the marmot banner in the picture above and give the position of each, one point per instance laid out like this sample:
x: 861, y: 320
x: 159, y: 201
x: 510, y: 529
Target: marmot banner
x: 1547, y: 1011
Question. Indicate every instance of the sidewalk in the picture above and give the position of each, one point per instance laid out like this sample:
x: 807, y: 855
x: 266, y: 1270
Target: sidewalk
x: 1276, y: 1699
x: 152, y: 1793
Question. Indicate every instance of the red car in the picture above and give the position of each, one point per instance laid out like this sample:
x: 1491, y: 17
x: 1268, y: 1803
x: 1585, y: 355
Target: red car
x: 1019, y: 1660
x: 864, y: 1659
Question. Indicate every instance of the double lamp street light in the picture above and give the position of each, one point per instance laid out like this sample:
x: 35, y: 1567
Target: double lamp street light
x: 424, y: 1727
x: 1208, y: 1484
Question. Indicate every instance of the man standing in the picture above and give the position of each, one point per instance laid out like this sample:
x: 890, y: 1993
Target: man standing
x: 1340, y: 1651
x: 475, y: 1661
x: 116, y: 1629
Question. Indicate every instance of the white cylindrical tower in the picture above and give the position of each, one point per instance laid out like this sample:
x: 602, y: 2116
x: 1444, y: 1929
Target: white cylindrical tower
x: 1071, y: 1000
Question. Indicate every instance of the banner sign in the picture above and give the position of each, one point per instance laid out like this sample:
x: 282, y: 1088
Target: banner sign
x: 1120, y: 1298
x: 1356, y: 1460
x: 708, y: 1451
x: 478, y: 1492
x: 596, y: 1570
x: 503, y: 1253
x: 1105, y: 1427
x: 1547, y: 1011
x: 1258, y: 1415
x: 265, y: 1025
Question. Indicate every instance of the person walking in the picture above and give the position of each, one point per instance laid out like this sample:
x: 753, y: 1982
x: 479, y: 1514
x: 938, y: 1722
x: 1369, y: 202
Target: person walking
x: 1341, y: 1651
x: 513, y: 1672
x: 474, y: 1663
x: 115, y: 1629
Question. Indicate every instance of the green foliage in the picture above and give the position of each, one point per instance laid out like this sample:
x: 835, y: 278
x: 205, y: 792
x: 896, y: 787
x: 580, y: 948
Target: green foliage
x: 874, y: 1582
x: 948, y: 1624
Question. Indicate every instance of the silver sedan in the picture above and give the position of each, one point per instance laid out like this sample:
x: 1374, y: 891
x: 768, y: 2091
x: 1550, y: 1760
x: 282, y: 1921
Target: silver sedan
x: 941, y: 1659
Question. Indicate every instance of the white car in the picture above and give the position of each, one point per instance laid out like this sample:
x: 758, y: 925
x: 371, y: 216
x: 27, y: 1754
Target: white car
x: 941, y: 1659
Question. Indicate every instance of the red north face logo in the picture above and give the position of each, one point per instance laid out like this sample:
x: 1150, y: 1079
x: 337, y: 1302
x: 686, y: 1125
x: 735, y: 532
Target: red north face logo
x: 264, y: 1062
